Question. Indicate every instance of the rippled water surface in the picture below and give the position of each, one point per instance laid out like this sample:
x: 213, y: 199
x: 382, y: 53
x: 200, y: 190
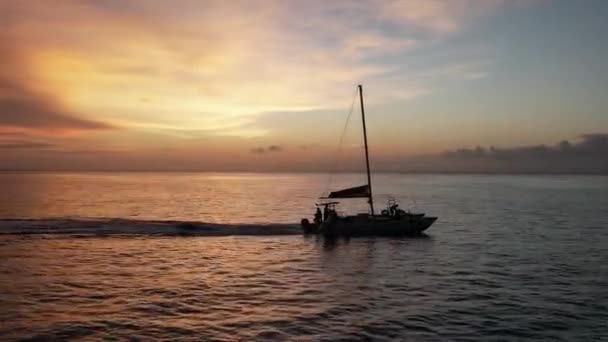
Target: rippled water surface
x: 94, y: 256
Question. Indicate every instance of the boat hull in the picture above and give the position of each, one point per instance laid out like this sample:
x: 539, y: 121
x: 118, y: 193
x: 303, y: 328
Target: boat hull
x: 377, y: 226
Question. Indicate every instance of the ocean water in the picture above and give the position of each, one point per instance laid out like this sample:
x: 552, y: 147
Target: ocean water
x: 203, y: 256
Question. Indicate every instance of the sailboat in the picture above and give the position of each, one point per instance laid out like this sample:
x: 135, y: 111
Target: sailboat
x: 392, y: 221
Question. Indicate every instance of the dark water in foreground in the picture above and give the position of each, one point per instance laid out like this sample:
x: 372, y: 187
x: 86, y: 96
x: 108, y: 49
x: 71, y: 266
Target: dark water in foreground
x: 511, y: 258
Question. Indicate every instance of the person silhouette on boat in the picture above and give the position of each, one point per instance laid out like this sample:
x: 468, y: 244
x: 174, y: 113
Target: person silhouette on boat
x: 326, y: 213
x: 318, y: 216
x: 393, y: 209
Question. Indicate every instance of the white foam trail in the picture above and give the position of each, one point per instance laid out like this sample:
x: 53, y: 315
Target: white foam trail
x: 101, y: 227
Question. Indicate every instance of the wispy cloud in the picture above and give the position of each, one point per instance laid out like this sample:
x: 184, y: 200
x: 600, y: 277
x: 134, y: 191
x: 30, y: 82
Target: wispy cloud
x: 262, y: 150
x: 26, y: 109
x: 439, y: 16
x: 12, y: 145
x: 173, y: 74
x: 215, y: 63
x: 22, y: 109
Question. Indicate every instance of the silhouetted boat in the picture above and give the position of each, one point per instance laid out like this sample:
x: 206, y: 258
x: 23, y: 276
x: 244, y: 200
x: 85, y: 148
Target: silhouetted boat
x: 391, y: 222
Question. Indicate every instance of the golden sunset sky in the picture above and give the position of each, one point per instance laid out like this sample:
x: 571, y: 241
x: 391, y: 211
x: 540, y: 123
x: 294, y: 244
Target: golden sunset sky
x: 264, y: 84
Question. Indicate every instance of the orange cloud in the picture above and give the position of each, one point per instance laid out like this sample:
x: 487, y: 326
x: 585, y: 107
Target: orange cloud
x: 216, y: 66
x: 172, y: 73
x: 440, y: 16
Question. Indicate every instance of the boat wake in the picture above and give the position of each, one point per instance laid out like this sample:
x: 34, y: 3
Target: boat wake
x: 117, y: 227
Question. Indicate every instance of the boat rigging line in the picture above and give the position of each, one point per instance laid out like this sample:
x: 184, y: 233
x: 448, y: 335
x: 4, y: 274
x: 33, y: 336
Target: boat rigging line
x: 340, y: 142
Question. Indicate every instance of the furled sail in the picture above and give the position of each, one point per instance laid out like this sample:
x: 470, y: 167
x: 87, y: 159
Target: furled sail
x: 355, y: 192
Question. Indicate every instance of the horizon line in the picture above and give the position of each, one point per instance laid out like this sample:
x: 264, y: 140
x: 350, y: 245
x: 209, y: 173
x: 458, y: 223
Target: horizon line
x: 480, y: 173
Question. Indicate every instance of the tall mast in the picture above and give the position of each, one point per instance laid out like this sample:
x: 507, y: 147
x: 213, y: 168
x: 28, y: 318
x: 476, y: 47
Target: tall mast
x: 369, y: 176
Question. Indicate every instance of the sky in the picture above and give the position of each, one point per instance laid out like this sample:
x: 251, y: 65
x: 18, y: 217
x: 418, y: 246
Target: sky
x: 265, y: 85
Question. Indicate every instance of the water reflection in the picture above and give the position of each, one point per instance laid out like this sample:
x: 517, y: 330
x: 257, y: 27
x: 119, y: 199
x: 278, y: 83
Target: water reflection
x: 274, y: 287
x: 504, y: 262
x: 23, y: 194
